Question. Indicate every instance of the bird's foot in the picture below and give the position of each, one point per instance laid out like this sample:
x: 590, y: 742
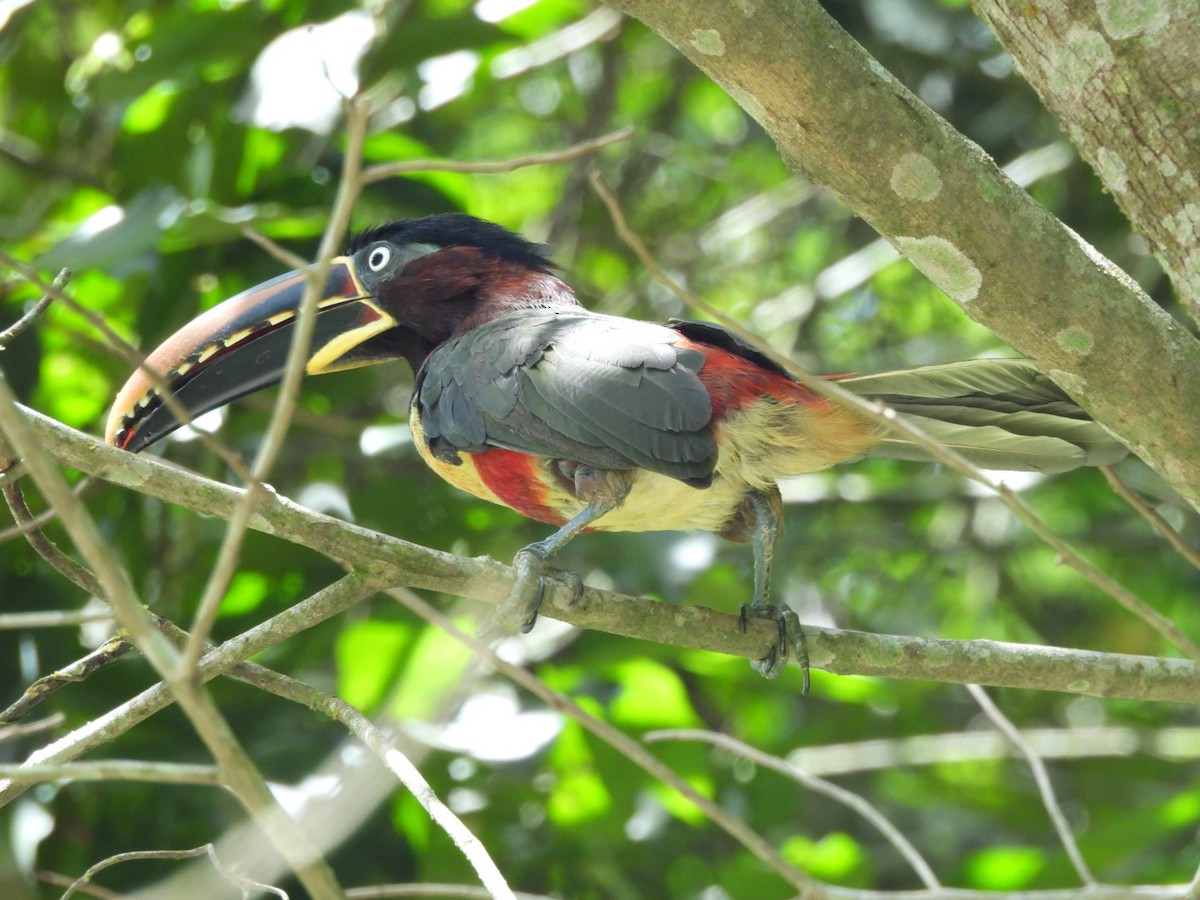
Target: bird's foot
x: 529, y: 590
x: 789, y: 643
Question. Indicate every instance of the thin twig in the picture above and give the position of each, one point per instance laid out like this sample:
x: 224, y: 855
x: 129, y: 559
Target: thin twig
x: 34, y: 523
x: 115, y: 770
x: 1151, y: 515
x: 248, y: 886
x: 245, y: 885
x: 326, y: 422
x: 815, y: 784
x: 878, y: 412
x: 48, y: 685
x: 391, y: 756
x: 428, y: 890
x: 625, y: 745
x: 118, y: 858
x: 357, y: 116
x: 44, y: 547
x: 494, y: 166
x: 23, y: 324
x: 281, y: 253
x: 22, y: 621
x: 1041, y: 777
x: 1177, y: 744
x: 1096, y: 576
x: 25, y: 729
x: 91, y: 890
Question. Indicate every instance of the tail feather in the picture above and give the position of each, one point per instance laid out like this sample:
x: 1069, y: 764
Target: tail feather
x: 999, y: 413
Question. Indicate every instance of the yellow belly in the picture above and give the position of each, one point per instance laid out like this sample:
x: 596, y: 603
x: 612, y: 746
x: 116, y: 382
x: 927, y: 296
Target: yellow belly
x: 659, y: 503
x: 758, y: 445
x: 465, y: 476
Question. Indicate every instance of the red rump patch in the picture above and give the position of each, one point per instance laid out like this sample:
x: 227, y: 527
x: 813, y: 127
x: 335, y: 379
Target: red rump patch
x: 734, y: 382
x: 517, y: 480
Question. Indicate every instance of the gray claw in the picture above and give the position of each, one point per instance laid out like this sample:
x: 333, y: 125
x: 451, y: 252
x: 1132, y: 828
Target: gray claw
x: 531, y: 612
x: 790, y: 641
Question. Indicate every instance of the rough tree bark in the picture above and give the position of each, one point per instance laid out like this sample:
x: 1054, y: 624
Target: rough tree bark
x: 843, y: 121
x: 1121, y: 76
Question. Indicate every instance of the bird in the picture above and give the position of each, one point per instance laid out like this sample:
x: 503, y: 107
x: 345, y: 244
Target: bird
x: 586, y: 421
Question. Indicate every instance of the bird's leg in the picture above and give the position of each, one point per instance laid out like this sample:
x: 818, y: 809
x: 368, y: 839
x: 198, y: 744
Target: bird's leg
x: 766, y: 510
x: 604, y: 490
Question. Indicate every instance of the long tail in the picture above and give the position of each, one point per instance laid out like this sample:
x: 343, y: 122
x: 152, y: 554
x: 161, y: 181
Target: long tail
x: 998, y: 413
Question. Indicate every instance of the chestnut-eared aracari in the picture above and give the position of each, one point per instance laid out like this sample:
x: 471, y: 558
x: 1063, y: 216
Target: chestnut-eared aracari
x: 589, y: 421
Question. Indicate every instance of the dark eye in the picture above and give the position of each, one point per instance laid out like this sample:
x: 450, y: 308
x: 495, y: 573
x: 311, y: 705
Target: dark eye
x: 378, y: 258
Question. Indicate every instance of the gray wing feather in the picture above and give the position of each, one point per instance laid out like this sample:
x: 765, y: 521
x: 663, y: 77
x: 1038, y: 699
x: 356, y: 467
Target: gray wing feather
x: 609, y: 392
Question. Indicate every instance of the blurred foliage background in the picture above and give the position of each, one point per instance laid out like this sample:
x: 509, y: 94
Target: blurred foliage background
x: 138, y: 138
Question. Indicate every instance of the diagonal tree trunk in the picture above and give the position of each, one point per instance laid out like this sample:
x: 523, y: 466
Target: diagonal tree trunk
x: 1121, y: 76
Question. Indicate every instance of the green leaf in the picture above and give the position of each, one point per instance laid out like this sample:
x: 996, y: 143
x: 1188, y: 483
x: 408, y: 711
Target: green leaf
x: 1005, y: 868
x: 367, y: 660
x: 149, y: 111
x: 652, y: 696
x: 72, y: 389
x: 578, y: 796
x: 836, y: 857
x: 261, y: 152
x: 1182, y: 810
x: 681, y: 807
x: 433, y: 666
x: 247, y: 589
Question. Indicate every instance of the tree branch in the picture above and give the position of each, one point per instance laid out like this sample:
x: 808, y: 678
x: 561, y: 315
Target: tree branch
x: 841, y: 652
x: 223, y: 570
x: 1177, y: 541
x: 247, y: 886
x: 48, y: 685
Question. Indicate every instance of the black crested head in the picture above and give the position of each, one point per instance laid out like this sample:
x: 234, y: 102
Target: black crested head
x: 458, y: 230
